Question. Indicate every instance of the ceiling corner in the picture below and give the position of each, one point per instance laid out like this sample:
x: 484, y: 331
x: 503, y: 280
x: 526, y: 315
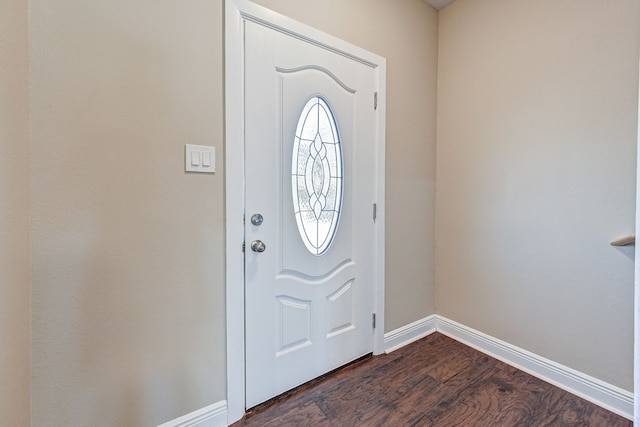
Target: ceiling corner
x: 439, y: 4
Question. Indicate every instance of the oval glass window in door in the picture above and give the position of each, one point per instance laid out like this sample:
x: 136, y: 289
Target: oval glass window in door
x: 317, y: 175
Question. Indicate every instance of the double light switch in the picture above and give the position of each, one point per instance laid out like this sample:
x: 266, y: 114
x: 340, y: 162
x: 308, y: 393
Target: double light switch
x: 199, y: 158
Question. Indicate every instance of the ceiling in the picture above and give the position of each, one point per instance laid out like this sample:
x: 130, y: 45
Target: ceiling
x: 439, y: 4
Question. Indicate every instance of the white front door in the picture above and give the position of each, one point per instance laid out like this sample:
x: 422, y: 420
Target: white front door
x: 310, y: 189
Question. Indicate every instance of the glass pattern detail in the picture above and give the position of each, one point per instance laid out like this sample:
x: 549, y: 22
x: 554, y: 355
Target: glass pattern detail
x: 316, y: 175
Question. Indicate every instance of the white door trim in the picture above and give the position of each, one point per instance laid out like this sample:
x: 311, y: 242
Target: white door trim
x: 236, y: 12
x: 636, y: 357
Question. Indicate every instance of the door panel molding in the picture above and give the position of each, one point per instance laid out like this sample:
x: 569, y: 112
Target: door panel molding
x: 317, y: 68
x: 312, y: 280
x: 237, y: 12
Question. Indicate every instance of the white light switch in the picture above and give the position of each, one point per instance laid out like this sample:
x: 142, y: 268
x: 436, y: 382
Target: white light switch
x: 199, y: 158
x: 195, y: 158
x: 206, y: 159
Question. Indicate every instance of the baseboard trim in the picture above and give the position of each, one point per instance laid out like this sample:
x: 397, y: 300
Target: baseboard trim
x: 214, y: 415
x: 606, y: 395
x: 409, y: 333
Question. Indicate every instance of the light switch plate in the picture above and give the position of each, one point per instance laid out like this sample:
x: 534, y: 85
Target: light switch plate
x: 199, y: 158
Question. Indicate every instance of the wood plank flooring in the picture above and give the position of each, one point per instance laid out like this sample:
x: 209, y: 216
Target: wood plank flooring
x: 435, y: 381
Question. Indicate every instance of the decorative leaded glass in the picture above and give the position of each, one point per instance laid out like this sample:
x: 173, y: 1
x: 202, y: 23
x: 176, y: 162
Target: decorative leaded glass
x: 316, y: 175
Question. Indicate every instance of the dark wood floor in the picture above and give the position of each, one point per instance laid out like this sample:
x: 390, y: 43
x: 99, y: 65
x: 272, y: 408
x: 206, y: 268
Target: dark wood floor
x: 435, y: 381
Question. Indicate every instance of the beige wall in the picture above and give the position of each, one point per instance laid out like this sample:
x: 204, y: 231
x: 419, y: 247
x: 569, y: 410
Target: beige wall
x: 127, y: 249
x: 537, y: 118
x: 128, y: 323
x: 405, y: 33
x: 14, y: 215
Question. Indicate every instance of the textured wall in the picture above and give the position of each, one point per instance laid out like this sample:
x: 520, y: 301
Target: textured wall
x: 537, y: 118
x: 14, y: 215
x: 128, y: 323
x: 406, y: 34
x: 127, y: 249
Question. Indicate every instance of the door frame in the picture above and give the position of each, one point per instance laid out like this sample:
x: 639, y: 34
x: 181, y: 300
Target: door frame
x: 236, y: 13
x: 636, y: 281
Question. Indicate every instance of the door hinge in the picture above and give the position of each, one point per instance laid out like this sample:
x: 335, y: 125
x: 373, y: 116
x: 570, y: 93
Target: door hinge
x: 243, y: 246
x: 374, y: 320
x: 375, y: 211
x: 375, y: 100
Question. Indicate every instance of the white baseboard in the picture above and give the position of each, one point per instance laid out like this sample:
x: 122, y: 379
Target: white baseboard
x: 407, y: 334
x: 214, y: 415
x: 608, y: 396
